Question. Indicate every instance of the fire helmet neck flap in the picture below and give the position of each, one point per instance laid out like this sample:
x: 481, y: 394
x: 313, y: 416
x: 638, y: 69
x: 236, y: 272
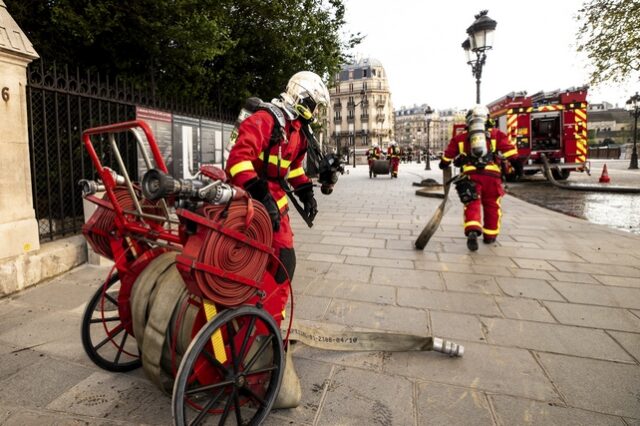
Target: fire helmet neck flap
x: 304, y: 93
x: 476, y: 122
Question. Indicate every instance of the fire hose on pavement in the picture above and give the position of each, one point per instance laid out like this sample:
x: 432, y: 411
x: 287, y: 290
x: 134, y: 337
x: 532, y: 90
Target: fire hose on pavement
x: 581, y: 187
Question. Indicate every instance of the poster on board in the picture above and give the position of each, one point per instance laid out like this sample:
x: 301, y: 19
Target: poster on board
x: 160, y: 124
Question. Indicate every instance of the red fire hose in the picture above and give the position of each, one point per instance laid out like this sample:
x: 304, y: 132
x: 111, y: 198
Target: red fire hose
x: 231, y: 255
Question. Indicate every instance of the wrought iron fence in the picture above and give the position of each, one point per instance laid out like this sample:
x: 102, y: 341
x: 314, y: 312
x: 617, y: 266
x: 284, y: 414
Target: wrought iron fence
x: 62, y: 103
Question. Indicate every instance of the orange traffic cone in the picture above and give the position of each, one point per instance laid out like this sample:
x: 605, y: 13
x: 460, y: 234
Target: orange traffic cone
x: 604, y: 177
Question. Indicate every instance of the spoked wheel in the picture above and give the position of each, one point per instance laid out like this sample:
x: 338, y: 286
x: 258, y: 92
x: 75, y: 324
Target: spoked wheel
x: 237, y: 377
x: 104, y: 336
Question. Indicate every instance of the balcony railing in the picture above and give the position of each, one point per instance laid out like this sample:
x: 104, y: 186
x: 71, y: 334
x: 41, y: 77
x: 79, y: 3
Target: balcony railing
x: 351, y: 118
x: 364, y: 116
x: 337, y: 120
x: 380, y: 117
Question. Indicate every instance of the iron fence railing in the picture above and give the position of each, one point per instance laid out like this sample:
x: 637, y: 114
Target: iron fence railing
x: 61, y: 104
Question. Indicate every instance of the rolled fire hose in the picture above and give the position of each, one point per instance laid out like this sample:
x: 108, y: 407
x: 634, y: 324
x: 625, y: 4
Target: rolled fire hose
x: 580, y: 187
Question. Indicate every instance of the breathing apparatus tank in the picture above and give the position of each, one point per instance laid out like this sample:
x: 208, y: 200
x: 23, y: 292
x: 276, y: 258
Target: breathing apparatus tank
x: 476, y: 123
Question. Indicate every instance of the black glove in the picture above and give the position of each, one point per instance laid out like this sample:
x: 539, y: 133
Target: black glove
x: 259, y: 190
x: 443, y: 164
x: 305, y: 194
x: 517, y: 166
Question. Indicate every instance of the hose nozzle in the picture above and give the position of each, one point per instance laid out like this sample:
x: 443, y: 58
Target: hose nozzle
x: 447, y: 347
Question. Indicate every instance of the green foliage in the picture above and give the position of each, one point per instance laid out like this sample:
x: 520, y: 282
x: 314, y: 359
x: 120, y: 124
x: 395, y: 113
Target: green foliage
x: 217, y: 52
x: 609, y: 34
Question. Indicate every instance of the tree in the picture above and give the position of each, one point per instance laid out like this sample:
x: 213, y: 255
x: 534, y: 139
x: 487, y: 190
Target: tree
x: 216, y: 52
x: 609, y: 35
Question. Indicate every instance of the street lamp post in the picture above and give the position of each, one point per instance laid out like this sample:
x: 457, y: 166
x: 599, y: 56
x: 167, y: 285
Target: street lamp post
x: 479, y: 41
x: 428, y: 113
x: 633, y: 105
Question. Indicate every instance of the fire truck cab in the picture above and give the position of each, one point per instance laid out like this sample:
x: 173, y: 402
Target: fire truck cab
x: 550, y: 123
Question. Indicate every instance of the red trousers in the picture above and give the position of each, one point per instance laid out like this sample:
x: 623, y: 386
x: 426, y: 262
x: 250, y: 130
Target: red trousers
x: 395, y: 161
x: 486, y: 207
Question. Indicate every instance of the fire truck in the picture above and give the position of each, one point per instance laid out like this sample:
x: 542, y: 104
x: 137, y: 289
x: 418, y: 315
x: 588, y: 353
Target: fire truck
x: 550, y: 123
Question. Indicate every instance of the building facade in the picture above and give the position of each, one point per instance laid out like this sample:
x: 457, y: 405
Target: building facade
x: 411, y: 127
x: 360, y: 111
x: 607, y: 124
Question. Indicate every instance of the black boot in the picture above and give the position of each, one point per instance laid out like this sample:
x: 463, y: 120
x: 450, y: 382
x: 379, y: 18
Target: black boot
x: 472, y: 241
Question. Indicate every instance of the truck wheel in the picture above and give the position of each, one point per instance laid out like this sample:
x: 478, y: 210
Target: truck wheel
x: 512, y: 178
x: 562, y: 174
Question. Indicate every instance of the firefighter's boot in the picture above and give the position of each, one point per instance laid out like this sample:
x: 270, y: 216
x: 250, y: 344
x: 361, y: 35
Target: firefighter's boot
x: 472, y: 241
x: 290, y: 391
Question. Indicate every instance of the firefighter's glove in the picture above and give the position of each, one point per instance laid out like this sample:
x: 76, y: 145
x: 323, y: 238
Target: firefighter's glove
x: 466, y: 190
x: 443, y: 165
x: 517, y: 166
x: 305, y: 194
x: 460, y: 161
x: 259, y: 190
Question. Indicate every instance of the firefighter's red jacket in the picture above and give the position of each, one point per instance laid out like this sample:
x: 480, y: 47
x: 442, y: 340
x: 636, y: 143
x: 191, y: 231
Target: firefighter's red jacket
x: 285, y: 159
x: 374, y: 153
x: 497, y: 142
x: 393, y: 152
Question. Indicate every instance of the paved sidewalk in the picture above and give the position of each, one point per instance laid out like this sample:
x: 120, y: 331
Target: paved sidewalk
x: 549, y: 316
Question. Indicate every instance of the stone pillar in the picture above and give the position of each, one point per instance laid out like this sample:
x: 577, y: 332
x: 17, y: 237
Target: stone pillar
x: 18, y: 225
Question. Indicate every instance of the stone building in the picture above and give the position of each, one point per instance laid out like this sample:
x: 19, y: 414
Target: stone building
x: 607, y: 124
x: 411, y: 127
x: 360, y: 111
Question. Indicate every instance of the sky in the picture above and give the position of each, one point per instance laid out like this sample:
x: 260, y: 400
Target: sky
x: 418, y: 43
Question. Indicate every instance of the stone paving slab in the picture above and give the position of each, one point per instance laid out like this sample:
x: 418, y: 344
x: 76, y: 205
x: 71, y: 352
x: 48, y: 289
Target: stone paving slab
x: 528, y: 288
x: 524, y: 309
x: 629, y: 341
x: 594, y: 316
x: 355, y: 397
x: 440, y: 404
x: 484, y: 367
x: 448, y: 301
x: 620, y: 297
x: 517, y: 411
x: 582, y: 382
x: 556, y: 338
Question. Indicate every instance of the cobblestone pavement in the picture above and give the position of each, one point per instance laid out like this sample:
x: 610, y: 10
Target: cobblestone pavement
x: 549, y: 316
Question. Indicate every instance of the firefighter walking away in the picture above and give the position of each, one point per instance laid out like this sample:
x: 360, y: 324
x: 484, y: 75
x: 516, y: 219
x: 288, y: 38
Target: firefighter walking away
x: 393, y: 153
x: 476, y: 151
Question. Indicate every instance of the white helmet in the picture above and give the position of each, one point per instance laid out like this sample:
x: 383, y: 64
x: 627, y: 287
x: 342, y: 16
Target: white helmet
x: 304, y: 92
x: 374, y: 145
x: 393, y: 143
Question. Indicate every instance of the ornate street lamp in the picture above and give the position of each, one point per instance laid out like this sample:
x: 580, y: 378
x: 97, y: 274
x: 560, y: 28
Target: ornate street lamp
x: 633, y: 106
x: 479, y: 41
x: 428, y: 114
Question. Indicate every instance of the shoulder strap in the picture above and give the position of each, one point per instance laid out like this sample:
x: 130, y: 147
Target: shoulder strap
x: 277, y: 133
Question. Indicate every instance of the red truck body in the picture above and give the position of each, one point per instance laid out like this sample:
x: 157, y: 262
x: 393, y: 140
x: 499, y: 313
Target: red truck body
x: 551, y: 123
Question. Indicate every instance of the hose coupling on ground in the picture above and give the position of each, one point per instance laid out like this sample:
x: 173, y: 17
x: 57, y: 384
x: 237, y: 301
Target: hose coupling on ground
x: 447, y: 347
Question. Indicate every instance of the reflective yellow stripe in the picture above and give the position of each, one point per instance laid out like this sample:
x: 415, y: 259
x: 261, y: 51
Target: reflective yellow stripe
x: 510, y: 152
x: 282, y: 202
x: 490, y: 231
x: 493, y: 168
x: 273, y: 159
x: 468, y: 168
x: 581, y: 114
x: 472, y: 223
x: 242, y: 166
x: 447, y: 159
x: 219, y: 352
x: 295, y: 173
x: 493, y: 145
x: 461, y: 147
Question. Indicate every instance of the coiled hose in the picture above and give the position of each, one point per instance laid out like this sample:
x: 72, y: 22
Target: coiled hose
x: 233, y: 256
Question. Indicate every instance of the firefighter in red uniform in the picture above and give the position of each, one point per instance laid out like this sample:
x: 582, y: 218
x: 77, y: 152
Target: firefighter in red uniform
x: 373, y: 154
x: 261, y: 160
x: 476, y: 152
x: 393, y: 153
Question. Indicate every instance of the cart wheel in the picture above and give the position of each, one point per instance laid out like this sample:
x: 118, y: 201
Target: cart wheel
x: 370, y: 174
x: 246, y: 383
x: 104, y: 337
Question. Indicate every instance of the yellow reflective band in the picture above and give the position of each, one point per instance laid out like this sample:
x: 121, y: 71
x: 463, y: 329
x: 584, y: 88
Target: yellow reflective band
x: 282, y: 202
x: 295, y: 173
x: 490, y: 231
x: 242, y: 166
x: 472, y: 223
x: 219, y: 352
x: 468, y: 168
x: 447, y: 159
x: 493, y: 168
x: 273, y: 159
x: 581, y: 114
x: 461, y: 147
x: 510, y: 153
x: 493, y: 145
